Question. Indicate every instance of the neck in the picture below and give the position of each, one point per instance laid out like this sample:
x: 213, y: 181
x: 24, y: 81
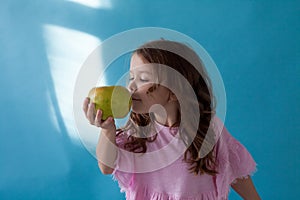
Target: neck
x: 166, y: 122
x: 166, y: 117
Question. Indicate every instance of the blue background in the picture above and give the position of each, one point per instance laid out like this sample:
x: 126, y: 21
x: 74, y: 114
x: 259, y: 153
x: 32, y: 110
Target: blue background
x: 255, y: 45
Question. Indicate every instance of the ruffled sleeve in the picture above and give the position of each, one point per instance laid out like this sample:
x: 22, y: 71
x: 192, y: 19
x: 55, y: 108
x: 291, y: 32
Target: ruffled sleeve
x: 233, y: 161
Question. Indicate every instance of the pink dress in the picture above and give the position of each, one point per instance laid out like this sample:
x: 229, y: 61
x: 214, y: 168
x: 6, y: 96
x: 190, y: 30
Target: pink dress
x: 157, y: 175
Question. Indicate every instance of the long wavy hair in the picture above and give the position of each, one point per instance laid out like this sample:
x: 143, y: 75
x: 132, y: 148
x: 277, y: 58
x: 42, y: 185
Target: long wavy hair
x: 184, y: 60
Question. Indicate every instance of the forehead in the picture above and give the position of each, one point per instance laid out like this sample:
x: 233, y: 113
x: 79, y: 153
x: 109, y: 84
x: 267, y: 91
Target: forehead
x: 137, y: 60
x: 139, y: 64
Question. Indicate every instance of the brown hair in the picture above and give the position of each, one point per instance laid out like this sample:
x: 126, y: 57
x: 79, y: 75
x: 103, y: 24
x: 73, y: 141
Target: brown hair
x: 189, y: 65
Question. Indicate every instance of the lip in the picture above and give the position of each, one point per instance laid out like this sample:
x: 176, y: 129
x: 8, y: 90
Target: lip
x: 135, y: 99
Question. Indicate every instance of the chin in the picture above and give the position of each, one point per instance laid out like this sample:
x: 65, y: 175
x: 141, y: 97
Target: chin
x: 139, y: 111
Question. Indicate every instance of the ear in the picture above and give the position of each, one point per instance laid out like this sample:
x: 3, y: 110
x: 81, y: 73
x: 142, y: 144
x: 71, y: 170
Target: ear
x: 172, y: 97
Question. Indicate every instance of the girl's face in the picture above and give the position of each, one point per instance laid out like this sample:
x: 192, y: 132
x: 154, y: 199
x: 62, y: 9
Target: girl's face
x: 142, y: 77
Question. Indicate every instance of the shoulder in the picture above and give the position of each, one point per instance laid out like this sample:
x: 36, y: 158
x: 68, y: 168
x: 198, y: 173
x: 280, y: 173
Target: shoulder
x: 231, y: 155
x: 223, y: 137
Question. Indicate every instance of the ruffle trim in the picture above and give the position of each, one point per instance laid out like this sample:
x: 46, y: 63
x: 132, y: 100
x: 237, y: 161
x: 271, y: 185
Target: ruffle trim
x: 136, y: 194
x: 241, y: 177
x: 245, y: 176
x: 223, y: 186
x: 149, y: 194
x: 122, y: 185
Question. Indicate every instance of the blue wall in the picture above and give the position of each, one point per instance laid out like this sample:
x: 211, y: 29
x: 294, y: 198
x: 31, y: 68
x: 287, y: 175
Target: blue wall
x: 255, y: 45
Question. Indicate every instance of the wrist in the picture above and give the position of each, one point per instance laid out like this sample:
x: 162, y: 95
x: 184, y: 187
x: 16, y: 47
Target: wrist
x: 109, y: 134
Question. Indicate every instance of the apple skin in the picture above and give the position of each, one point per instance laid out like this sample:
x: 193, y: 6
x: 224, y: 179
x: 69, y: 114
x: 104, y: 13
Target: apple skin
x: 114, y: 101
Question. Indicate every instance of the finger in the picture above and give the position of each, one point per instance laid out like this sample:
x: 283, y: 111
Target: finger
x: 91, y: 113
x: 98, y: 118
x: 108, y: 122
x: 85, y: 105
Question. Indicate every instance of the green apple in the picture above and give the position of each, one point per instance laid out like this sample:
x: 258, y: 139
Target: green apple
x: 114, y: 101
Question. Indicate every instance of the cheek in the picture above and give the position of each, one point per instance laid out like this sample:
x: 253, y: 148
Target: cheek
x: 143, y: 91
x: 144, y: 87
x: 156, y: 98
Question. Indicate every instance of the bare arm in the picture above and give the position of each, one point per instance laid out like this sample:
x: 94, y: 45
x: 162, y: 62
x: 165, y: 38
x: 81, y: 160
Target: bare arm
x: 245, y: 188
x: 106, y: 150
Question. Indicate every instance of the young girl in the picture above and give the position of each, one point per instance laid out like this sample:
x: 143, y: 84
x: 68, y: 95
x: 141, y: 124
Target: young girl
x: 173, y: 146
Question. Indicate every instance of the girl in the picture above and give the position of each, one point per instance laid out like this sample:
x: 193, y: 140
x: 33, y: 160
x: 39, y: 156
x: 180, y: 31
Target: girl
x: 173, y: 145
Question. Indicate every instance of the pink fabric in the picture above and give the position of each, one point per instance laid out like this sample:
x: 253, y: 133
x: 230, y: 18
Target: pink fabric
x: 174, y: 181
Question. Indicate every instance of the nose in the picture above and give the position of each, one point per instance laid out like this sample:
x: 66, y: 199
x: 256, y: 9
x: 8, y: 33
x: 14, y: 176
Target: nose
x: 132, y: 86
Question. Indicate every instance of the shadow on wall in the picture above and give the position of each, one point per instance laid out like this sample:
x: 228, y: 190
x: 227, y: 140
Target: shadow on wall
x: 41, y: 154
